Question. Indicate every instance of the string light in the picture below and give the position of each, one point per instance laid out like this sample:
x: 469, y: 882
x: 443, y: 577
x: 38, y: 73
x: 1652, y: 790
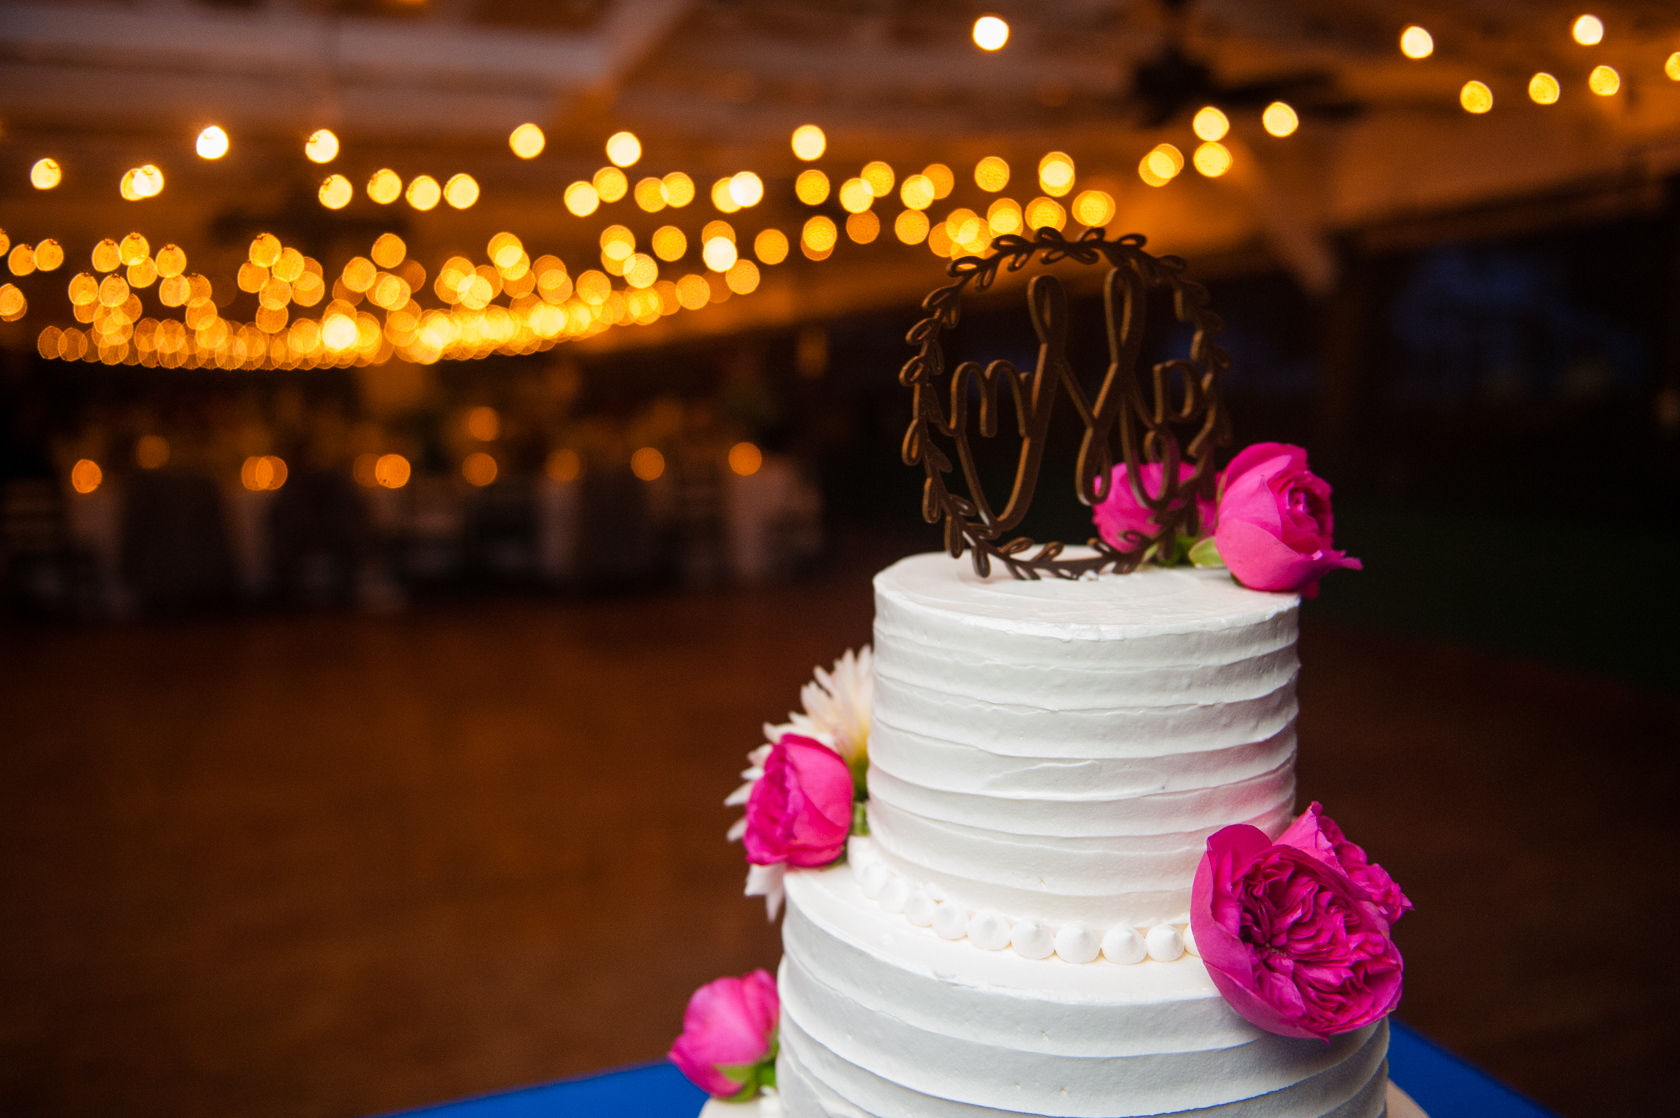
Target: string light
x: 811, y: 187
x: 1004, y: 217
x: 385, y: 186
x: 1212, y: 159
x: 1045, y: 213
x: 85, y: 476
x: 1210, y: 124
x: 990, y: 33
x: 423, y: 192
x: 911, y: 227
x: 678, y: 189
x: 809, y: 142
x: 819, y: 235
x: 1543, y: 89
x: 1415, y: 42
x: 942, y: 179
x: 581, y: 199
x: 45, y: 174
x: 1476, y: 97
x: 623, y: 148
x: 212, y: 143
x: 746, y: 189
x: 461, y: 191
x: 770, y: 246
x: 718, y: 253
x: 856, y: 195
x: 322, y: 146
x: 1604, y: 81
x: 879, y: 176
x: 610, y: 184
x: 1672, y: 66
x: 1055, y: 174
x: 745, y: 459
x: 863, y: 227
x: 1161, y: 165
x: 527, y: 141
x: 917, y: 192
x: 1094, y: 208
x: 647, y: 463
x: 991, y: 174
x: 1279, y: 119
x: 336, y: 192
x: 1588, y: 30
x: 479, y: 469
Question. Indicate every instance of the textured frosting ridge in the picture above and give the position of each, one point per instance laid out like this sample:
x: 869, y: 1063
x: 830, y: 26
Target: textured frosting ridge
x: 1061, y: 750
x: 884, y: 1019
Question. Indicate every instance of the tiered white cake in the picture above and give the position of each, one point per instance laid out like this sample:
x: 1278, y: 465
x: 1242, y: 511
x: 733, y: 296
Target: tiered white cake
x: 1047, y: 760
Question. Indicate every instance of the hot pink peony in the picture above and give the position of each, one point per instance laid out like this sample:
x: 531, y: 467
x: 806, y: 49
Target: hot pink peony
x: 1274, y: 521
x: 1121, y: 511
x: 1294, y: 945
x: 800, y: 810
x: 728, y: 1042
x: 1317, y: 834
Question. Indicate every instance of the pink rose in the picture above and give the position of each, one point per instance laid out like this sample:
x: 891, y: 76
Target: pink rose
x: 1121, y: 511
x: 1290, y: 941
x: 1317, y: 834
x: 728, y: 1042
x: 1274, y: 521
x: 800, y: 810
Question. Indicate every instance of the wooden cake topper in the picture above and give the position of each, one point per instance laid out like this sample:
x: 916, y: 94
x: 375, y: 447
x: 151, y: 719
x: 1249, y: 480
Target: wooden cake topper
x: 1178, y: 420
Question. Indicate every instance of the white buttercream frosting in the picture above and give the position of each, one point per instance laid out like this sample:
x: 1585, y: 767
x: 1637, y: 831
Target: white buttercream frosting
x: 1059, y: 751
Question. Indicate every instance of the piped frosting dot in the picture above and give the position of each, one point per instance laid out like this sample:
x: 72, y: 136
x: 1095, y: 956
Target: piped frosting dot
x: 988, y: 931
x: 919, y: 908
x: 1032, y: 940
x: 950, y: 921
x: 873, y: 877
x: 894, y: 895
x: 1165, y: 943
x: 1190, y: 941
x: 1122, y: 944
x: 1077, y: 943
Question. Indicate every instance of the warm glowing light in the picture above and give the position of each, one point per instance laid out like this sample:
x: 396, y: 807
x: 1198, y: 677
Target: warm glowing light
x: 1055, y: 174
x: 693, y: 292
x: 1672, y: 66
x: 1588, y: 31
x: 322, y: 146
x: 45, y: 174
x: 338, y: 332
x: 811, y: 187
x: 742, y: 277
x: 746, y: 189
x: 770, y: 246
x: 263, y: 473
x: 669, y: 243
x: 359, y: 274
x: 640, y: 270
x: 963, y: 225
x: 1476, y: 97
x: 678, y: 188
x: 461, y: 191
x: 745, y: 459
x: 1543, y: 89
x: 388, y: 251
x: 911, y: 227
x: 647, y: 463
x: 13, y: 305
x: 1212, y: 159
x: 527, y: 141
x: 611, y: 184
x: 1046, y: 213
x: 593, y: 287
x: 84, y: 290
x: 564, y: 464
x: 151, y: 452
x: 1161, y: 165
x: 623, y: 148
x: 856, y: 195
x: 86, y: 475
x: 809, y: 142
x: 1210, y: 124
x: 718, y: 253
x: 141, y: 182
x: 722, y: 199
x: 1604, y: 81
x: 171, y: 261
x: 820, y: 234
x: 336, y: 192
x: 212, y: 143
x: 133, y: 249
x: 1004, y: 217
x: 484, y: 424
x: 990, y: 174
x: 22, y: 259
x: 879, y: 176
x: 1093, y: 208
x: 423, y: 192
x: 990, y: 33
x: 385, y: 186
x: 863, y: 227
x: 717, y: 229
x: 581, y: 199
x: 917, y: 191
x: 1415, y: 42
x: 479, y: 469
x: 49, y: 254
x: 1279, y: 119
x: 393, y: 470
x: 649, y: 195
x: 942, y: 179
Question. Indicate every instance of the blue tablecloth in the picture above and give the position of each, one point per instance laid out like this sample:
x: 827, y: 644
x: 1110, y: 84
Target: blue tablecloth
x: 1442, y: 1084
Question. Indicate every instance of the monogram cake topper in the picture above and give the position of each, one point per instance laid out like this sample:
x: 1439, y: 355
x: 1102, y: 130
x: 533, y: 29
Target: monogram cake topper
x: 1179, y: 421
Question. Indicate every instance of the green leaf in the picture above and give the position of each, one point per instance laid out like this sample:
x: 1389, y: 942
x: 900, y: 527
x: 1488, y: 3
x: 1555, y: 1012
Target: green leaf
x: 1206, y: 553
x: 752, y: 1077
x: 860, y: 818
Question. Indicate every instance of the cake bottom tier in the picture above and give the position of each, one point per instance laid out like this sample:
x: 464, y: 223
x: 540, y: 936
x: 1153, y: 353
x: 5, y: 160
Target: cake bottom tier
x: 884, y: 1019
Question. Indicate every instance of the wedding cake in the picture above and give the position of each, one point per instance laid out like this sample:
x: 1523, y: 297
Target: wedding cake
x: 1047, y: 760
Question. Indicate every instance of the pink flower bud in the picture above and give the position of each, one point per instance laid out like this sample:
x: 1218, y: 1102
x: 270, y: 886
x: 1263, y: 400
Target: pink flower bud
x: 1121, y: 511
x: 1275, y: 523
x: 800, y: 810
x: 728, y: 1042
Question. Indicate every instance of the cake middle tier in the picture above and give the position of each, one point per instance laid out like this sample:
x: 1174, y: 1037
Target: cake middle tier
x: 1061, y: 751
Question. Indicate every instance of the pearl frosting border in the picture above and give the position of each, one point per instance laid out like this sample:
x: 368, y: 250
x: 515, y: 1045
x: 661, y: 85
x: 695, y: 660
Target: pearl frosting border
x: 927, y: 906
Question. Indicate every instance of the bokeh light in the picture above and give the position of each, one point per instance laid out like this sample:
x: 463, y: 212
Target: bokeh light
x: 820, y: 234
x: 911, y: 227
x: 917, y: 192
x: 879, y: 176
x: 1210, y: 124
x: 649, y: 194
x: 1093, y: 208
x: 1588, y: 30
x: 1055, y: 174
x: 990, y: 33
x: 336, y: 192
x: 942, y: 179
x: 611, y: 184
x: 1604, y: 81
x: 679, y: 189
x: 461, y: 191
x: 385, y: 186
x: 811, y: 187
x: 1045, y: 213
x: 1212, y: 159
x: 623, y: 148
x: 718, y: 253
x: 746, y: 189
x: 745, y: 459
x: 564, y: 464
x: 85, y: 475
x: 1279, y: 119
x: 770, y: 246
x: 856, y: 195
x: 581, y: 199
x: 990, y: 174
x: 263, y: 473
x: 1543, y: 89
x: 392, y: 471
x: 1161, y: 165
x: 863, y: 227
x: 809, y: 142
x: 479, y: 469
x: 151, y: 452
x: 484, y: 423
x: 669, y: 243
x: 1415, y: 42
x: 527, y: 141
x: 212, y: 143
x: 1476, y: 97
x: 423, y: 192
x: 45, y: 174
x: 647, y: 463
x: 322, y: 146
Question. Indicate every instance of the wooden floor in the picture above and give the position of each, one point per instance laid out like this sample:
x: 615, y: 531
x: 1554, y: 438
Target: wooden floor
x: 334, y: 865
